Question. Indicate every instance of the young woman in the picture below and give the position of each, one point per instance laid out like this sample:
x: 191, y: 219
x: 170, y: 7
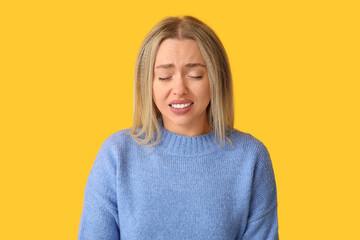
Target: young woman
x: 181, y: 171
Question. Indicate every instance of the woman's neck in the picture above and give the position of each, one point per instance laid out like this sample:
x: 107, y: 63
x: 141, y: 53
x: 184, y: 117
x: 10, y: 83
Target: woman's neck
x: 195, y: 129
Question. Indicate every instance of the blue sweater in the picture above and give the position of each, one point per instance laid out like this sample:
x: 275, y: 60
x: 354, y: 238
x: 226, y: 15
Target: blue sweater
x: 183, y: 188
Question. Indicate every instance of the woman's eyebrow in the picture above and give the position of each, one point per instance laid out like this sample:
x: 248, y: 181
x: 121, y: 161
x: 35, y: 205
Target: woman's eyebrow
x: 165, y: 66
x: 191, y: 65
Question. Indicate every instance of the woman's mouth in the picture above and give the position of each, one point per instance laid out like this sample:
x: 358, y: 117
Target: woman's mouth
x: 181, y: 108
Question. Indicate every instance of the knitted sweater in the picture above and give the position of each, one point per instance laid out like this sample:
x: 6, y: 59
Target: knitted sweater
x: 183, y: 188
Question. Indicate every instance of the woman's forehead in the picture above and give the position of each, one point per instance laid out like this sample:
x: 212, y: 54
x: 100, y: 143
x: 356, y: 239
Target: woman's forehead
x: 175, y: 52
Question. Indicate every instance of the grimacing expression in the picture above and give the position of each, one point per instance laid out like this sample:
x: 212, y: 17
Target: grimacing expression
x: 181, y: 89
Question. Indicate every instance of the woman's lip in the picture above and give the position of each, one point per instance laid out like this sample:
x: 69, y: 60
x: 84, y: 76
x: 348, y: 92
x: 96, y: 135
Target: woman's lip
x: 181, y: 101
x: 180, y: 111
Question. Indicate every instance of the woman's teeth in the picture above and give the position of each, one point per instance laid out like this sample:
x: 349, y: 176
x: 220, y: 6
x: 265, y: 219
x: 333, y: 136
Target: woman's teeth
x: 180, y: 105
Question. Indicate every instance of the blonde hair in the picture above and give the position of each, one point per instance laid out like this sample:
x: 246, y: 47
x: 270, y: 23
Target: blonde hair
x: 220, y: 112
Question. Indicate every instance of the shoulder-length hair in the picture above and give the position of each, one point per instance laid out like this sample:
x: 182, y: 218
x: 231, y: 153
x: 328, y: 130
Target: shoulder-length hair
x: 220, y: 112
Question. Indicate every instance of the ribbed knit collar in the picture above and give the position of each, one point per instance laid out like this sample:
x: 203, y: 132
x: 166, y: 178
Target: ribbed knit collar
x: 188, y: 146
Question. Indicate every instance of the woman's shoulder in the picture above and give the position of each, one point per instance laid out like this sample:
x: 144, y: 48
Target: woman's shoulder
x: 245, y: 141
x: 120, y: 137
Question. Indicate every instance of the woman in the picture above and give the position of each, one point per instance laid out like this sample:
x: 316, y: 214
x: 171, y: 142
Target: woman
x: 181, y: 171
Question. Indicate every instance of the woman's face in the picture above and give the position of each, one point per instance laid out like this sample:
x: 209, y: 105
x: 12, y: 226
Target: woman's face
x: 181, y: 88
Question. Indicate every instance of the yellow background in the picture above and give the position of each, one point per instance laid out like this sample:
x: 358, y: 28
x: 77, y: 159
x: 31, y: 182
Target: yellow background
x: 66, y: 75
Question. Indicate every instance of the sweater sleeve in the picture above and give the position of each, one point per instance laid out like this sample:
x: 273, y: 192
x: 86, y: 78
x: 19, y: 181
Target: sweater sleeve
x: 99, y: 217
x: 262, y: 220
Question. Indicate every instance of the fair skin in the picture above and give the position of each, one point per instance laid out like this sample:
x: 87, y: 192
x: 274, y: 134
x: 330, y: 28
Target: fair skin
x: 181, y: 89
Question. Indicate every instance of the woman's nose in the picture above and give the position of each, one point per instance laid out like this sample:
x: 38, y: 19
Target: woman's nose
x: 180, y: 88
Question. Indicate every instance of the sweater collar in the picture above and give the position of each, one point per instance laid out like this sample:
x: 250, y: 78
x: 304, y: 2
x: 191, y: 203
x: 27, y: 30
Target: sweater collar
x: 190, y: 146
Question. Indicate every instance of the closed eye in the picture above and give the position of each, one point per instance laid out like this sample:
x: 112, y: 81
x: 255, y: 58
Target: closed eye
x: 162, y: 79
x: 196, y: 77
